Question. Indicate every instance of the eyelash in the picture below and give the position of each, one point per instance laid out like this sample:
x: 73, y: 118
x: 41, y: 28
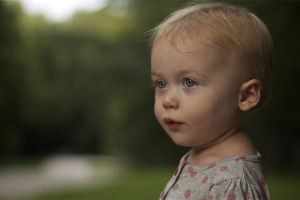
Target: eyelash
x: 156, y: 84
x: 189, y: 79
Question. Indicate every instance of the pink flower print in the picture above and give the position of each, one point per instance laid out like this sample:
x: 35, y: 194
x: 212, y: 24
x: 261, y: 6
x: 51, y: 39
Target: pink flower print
x: 204, y: 179
x: 231, y: 197
x: 211, y: 165
x: 175, y: 173
x: 225, y: 181
x: 237, y: 178
x: 211, y: 197
x: 224, y: 169
x: 175, y: 187
x: 246, y: 195
x: 263, y: 181
x: 193, y: 174
x: 240, y: 158
x: 162, y: 194
x: 251, y: 173
x: 211, y: 186
x: 187, y: 193
x: 191, y: 170
x: 260, y: 194
x: 182, y: 163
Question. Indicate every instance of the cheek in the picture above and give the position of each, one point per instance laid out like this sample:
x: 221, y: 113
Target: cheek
x: 207, y: 110
x: 198, y: 116
x: 157, y: 110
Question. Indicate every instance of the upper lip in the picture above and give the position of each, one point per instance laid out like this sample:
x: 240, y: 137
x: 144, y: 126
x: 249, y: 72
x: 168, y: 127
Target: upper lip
x: 170, y: 120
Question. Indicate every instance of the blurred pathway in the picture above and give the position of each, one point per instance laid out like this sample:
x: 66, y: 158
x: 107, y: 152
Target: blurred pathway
x: 57, y: 173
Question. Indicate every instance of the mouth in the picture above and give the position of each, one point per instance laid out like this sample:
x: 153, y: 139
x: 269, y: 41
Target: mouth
x: 172, y: 124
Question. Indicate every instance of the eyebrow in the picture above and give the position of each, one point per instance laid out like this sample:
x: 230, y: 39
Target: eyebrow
x: 187, y: 71
x: 181, y: 72
x: 156, y: 73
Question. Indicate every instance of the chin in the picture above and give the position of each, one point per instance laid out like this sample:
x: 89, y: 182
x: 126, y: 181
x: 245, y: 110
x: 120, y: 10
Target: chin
x: 182, y: 143
x: 181, y: 139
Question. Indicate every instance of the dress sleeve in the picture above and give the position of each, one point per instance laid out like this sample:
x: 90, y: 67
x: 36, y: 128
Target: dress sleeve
x: 238, y: 188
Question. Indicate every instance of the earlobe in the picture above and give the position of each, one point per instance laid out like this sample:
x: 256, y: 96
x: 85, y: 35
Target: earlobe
x: 249, y: 94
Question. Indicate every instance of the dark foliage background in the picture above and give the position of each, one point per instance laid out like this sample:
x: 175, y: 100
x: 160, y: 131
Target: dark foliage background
x: 83, y: 86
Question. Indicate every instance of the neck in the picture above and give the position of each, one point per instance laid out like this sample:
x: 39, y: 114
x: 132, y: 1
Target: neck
x: 237, y: 143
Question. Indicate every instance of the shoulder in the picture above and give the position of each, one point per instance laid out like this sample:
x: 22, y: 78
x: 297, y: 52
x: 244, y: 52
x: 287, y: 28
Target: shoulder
x: 245, y: 167
x: 239, y: 177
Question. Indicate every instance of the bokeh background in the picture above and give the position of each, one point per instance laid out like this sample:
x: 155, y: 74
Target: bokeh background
x: 82, y: 87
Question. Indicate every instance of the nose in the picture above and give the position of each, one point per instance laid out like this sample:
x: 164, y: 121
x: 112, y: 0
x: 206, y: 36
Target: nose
x: 170, y: 100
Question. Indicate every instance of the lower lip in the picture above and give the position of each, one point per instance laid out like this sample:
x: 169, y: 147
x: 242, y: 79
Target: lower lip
x: 173, y: 125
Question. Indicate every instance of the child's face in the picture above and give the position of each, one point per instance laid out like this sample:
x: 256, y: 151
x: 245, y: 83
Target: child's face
x: 197, y: 94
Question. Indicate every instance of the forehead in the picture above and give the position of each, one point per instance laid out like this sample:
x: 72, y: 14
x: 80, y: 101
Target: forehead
x: 204, y: 59
x: 186, y: 44
x: 205, y: 51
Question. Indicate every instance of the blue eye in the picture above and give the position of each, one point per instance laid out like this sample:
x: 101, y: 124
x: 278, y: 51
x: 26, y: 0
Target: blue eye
x: 189, y: 82
x: 161, y: 84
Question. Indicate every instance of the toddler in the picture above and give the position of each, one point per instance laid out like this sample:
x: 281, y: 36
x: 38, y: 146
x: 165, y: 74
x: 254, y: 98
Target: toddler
x: 211, y: 63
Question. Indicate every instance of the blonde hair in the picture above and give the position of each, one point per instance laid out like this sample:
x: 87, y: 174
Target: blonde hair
x: 235, y: 30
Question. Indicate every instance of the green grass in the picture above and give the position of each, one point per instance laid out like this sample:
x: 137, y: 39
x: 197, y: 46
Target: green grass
x: 138, y: 184
x: 284, y: 186
x: 148, y: 183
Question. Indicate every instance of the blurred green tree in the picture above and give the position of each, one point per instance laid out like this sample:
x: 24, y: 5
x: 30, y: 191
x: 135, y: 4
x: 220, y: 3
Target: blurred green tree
x: 84, y: 85
x: 11, y: 82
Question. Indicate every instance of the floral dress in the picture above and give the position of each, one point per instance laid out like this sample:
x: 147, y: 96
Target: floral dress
x: 233, y: 178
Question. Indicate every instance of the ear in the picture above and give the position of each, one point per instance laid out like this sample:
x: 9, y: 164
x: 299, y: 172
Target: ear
x: 249, y: 94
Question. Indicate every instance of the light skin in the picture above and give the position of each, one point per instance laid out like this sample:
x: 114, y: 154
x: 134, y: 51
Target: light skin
x: 200, y: 101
